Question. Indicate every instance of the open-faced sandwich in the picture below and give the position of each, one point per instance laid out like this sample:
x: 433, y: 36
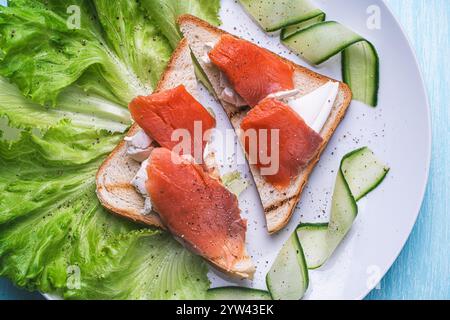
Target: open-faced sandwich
x: 262, y: 91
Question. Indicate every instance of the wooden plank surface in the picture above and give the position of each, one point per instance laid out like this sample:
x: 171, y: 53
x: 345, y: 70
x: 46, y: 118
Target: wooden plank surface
x: 423, y: 269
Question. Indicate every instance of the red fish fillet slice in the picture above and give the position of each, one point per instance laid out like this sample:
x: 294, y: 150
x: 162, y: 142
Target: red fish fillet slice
x: 161, y: 113
x: 196, y: 208
x: 298, y: 143
x: 254, y: 72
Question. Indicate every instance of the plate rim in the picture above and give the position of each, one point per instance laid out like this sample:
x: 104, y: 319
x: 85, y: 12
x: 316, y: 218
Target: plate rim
x: 429, y: 133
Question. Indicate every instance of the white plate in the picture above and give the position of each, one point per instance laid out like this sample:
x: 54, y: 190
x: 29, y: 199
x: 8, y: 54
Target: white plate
x: 398, y: 130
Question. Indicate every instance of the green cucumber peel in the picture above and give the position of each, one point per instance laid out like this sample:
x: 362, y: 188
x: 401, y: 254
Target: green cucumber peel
x: 288, y: 278
x: 292, y: 29
x: 285, y: 15
x: 359, y: 173
x: 319, y: 42
x: 360, y: 70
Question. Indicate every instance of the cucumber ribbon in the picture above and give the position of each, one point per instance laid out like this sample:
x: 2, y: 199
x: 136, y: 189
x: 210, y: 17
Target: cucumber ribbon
x: 310, y: 246
x: 305, y: 31
x: 288, y: 277
x: 360, y: 172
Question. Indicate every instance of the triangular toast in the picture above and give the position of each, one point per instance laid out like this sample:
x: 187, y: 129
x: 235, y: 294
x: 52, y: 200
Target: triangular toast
x: 278, y: 205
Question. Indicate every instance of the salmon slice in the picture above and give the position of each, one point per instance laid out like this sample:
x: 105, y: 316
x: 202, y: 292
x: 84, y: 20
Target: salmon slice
x: 196, y: 208
x: 297, y: 142
x: 253, y: 72
x: 161, y: 114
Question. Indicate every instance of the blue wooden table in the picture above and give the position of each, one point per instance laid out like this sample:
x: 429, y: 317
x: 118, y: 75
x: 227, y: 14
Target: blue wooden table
x: 423, y: 269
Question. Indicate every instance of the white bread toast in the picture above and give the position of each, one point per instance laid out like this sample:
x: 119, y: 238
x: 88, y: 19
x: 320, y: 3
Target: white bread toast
x: 278, y: 205
x: 114, y: 188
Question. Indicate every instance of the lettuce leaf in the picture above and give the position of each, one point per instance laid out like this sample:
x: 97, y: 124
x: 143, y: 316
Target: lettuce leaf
x: 43, y: 56
x: 51, y: 223
x: 166, y: 12
x: 144, y: 265
x: 84, y: 110
x: 67, y: 90
x: 134, y: 38
x: 119, y: 46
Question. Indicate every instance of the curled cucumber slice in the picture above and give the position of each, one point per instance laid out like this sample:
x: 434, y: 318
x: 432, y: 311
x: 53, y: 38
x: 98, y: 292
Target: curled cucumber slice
x: 360, y: 64
x: 360, y: 70
x: 321, y: 41
x: 274, y: 15
x: 314, y: 238
x: 360, y: 172
x: 290, y: 30
x: 310, y: 246
x: 363, y: 172
x: 288, y: 278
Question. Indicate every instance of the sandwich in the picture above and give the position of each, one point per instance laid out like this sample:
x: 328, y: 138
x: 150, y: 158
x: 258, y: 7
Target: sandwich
x: 151, y: 179
x: 297, y: 109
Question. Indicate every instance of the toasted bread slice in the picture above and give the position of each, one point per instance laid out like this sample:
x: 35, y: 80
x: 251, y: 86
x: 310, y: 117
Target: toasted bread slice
x: 114, y: 189
x: 278, y: 205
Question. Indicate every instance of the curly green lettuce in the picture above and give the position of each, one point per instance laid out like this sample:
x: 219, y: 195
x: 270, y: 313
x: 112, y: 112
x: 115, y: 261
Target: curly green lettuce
x: 43, y: 54
x: 166, y: 12
x: 84, y: 110
x: 66, y: 91
x: 51, y: 223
